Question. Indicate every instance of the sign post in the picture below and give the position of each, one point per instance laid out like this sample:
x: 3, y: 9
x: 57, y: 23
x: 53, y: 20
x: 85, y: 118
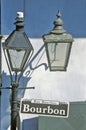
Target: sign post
x: 45, y: 108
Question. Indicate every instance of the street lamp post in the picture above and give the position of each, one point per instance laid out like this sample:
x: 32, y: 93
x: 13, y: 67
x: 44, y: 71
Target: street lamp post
x: 0, y: 65
x: 58, y: 46
x: 18, y: 51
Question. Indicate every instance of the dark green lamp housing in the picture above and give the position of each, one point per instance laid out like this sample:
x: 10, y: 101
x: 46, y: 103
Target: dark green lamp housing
x: 58, y: 46
x: 17, y: 47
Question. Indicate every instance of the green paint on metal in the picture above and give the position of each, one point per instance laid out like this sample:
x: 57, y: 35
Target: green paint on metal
x: 75, y: 121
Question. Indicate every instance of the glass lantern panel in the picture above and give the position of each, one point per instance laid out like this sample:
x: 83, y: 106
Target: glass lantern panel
x: 16, y: 58
x: 58, y: 55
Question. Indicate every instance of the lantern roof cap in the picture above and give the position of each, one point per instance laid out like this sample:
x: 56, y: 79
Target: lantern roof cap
x: 58, y: 34
x: 65, y: 38
x: 18, y: 39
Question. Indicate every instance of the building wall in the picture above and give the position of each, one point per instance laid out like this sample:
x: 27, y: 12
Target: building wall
x: 75, y: 121
x: 59, y: 86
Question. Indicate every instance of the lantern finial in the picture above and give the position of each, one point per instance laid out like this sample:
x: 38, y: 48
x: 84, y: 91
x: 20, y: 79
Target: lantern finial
x: 59, y: 14
x: 20, y: 15
x: 58, y: 25
x: 19, y: 21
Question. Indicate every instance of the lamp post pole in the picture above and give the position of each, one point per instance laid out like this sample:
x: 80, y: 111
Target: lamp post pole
x: 18, y: 51
x: 14, y: 106
x: 0, y: 76
x: 0, y: 64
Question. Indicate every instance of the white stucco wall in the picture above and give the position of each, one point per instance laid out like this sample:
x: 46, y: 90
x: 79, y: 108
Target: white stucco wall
x: 59, y: 86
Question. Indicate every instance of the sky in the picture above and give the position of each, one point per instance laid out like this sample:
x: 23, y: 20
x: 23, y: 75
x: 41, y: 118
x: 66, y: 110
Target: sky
x: 39, y: 16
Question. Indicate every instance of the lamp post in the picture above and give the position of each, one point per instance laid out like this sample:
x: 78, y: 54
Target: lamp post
x: 18, y: 51
x: 0, y: 65
x: 58, y: 46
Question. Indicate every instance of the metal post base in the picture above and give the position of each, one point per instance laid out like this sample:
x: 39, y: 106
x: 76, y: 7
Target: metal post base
x: 14, y: 111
